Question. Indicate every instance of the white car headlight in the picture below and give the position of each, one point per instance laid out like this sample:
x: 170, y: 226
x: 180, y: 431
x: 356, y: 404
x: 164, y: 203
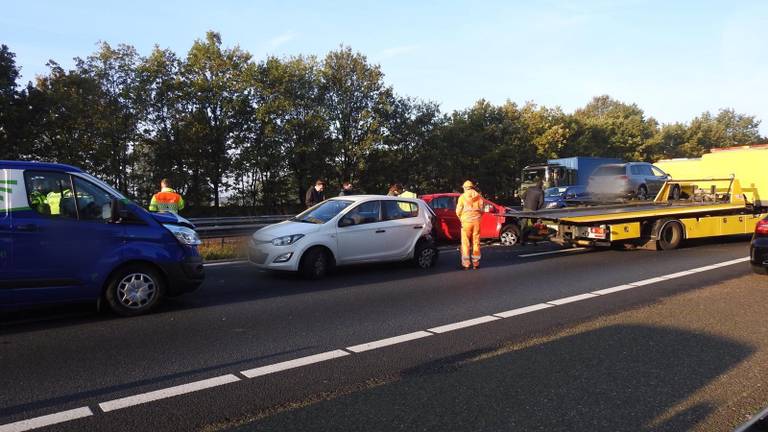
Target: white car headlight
x: 287, y: 240
x: 184, y: 235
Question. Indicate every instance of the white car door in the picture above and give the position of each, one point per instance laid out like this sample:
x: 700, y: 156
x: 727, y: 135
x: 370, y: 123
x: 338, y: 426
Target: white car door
x: 404, y: 226
x: 361, y: 234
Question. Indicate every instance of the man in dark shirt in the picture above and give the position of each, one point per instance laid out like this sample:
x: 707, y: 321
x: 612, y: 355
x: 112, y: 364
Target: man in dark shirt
x: 533, y: 200
x: 315, y: 194
x: 346, y: 189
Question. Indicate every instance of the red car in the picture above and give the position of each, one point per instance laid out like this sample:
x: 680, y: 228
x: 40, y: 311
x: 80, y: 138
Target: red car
x: 494, y: 225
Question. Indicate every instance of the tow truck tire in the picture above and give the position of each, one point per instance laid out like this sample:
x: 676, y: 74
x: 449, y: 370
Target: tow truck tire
x: 669, y: 235
x: 315, y: 264
x: 510, y: 235
x: 134, y: 290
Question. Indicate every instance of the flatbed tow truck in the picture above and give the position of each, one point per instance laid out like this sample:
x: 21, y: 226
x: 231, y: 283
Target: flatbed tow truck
x: 715, y: 207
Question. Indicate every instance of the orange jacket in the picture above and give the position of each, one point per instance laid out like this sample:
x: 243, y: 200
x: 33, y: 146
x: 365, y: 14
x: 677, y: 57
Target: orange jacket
x: 166, y: 200
x: 470, y: 206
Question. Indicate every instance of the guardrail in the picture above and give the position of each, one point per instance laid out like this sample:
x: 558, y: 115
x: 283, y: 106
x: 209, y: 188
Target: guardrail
x: 234, y: 226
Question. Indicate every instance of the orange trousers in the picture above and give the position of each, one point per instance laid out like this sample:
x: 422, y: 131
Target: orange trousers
x: 470, y: 237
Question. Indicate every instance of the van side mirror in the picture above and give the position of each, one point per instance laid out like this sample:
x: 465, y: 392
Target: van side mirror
x: 118, y: 210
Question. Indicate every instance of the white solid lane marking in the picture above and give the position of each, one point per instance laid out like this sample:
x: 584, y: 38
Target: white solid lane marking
x: 388, y: 341
x: 613, y: 289
x: 463, y: 324
x: 216, y: 264
x: 47, y: 420
x: 290, y: 364
x: 523, y: 310
x: 125, y: 402
x: 678, y: 274
x: 551, y: 252
x: 648, y: 281
x: 571, y: 299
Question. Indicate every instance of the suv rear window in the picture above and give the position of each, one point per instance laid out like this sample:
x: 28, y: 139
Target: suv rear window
x: 610, y: 170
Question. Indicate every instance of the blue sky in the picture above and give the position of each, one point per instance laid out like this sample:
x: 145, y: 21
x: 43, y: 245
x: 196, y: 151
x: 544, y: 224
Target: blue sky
x: 675, y: 59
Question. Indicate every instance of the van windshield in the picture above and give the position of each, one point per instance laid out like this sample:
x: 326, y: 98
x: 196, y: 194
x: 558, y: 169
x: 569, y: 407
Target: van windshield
x: 323, y: 212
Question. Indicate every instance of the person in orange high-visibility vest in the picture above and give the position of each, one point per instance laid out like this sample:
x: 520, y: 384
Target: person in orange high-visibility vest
x: 167, y: 199
x: 469, y: 209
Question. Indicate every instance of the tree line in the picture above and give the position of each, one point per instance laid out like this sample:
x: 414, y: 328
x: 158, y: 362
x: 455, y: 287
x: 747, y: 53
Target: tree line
x: 249, y: 136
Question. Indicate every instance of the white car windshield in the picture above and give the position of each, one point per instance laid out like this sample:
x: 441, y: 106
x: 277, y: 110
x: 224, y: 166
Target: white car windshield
x: 323, y: 212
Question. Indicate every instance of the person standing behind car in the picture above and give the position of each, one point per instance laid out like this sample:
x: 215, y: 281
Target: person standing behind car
x: 347, y: 189
x: 315, y: 194
x: 469, y: 209
x: 533, y: 200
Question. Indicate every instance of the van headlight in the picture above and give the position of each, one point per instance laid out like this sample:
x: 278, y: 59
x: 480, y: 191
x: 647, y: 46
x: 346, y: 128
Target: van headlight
x: 287, y: 240
x: 184, y: 235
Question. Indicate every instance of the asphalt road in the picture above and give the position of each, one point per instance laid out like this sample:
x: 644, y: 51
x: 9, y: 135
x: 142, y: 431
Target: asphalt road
x: 505, y: 374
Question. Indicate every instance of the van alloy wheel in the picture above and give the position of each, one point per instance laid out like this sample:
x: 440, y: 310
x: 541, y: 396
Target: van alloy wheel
x: 136, y: 290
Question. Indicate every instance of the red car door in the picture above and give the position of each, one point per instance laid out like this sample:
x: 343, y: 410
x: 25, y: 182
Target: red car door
x: 448, y: 224
x: 490, y: 223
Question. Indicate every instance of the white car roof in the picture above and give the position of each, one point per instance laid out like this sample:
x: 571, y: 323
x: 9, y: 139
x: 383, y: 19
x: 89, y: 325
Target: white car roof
x: 359, y: 198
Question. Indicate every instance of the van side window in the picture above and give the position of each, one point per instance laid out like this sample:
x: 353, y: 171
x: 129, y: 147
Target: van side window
x: 50, y: 194
x: 93, y: 203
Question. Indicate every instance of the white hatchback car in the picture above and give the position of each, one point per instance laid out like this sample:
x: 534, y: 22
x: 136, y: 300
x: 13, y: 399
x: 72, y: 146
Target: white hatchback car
x: 347, y: 230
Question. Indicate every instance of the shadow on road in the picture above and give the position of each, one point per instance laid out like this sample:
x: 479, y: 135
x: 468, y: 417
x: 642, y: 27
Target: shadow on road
x: 618, y: 378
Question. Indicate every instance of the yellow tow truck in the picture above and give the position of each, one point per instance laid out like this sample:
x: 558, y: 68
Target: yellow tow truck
x: 710, y: 207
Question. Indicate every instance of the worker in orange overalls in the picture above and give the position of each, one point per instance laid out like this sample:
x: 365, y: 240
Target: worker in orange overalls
x: 469, y: 210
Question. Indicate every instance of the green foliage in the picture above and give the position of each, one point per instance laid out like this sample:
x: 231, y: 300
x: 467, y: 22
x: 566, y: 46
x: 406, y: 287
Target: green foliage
x: 256, y: 134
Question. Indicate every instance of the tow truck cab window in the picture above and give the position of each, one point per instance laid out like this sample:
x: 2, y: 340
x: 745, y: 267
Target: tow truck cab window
x: 50, y: 194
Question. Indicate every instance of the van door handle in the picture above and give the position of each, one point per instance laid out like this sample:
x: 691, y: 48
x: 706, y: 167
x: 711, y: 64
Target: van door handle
x: 380, y: 231
x: 26, y: 227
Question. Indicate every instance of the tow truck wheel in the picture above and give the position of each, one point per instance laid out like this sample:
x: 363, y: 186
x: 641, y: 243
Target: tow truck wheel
x: 669, y: 235
x: 134, y: 290
x: 510, y: 235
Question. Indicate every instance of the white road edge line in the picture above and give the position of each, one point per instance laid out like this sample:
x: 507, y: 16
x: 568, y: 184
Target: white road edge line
x: 551, y: 252
x: 613, y: 289
x: 571, y: 299
x: 523, y: 310
x: 290, y: 364
x: 388, y: 341
x: 138, y: 399
x: 463, y: 324
x: 216, y: 264
x: 47, y: 420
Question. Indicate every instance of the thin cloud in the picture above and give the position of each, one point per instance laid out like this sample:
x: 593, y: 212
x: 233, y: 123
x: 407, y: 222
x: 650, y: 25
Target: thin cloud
x: 397, y: 51
x: 282, y: 39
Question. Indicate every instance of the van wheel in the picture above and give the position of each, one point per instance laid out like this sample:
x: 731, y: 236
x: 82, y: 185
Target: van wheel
x: 134, y: 290
x: 642, y: 193
x: 314, y: 264
x: 510, y: 235
x: 669, y: 236
x: 425, y: 255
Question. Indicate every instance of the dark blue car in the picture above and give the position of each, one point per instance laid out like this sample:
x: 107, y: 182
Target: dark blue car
x: 66, y: 236
x: 559, y: 197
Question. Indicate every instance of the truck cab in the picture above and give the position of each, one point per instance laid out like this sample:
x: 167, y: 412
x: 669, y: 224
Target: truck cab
x: 66, y: 236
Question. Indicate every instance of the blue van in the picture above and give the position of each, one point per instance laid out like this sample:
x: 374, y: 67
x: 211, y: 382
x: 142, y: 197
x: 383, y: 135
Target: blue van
x: 66, y: 236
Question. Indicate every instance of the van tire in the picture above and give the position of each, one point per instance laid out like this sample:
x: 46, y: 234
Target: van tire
x: 314, y: 264
x: 134, y: 290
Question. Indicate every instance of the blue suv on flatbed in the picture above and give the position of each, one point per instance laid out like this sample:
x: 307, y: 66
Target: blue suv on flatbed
x: 66, y: 236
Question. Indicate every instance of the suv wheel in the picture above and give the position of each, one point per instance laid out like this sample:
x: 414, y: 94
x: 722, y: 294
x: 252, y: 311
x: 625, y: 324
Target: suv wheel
x: 642, y: 193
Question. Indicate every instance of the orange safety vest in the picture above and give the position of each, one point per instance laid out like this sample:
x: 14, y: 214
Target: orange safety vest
x: 166, y: 200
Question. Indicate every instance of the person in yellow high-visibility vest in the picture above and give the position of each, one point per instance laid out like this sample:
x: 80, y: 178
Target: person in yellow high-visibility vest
x: 167, y: 199
x: 469, y: 209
